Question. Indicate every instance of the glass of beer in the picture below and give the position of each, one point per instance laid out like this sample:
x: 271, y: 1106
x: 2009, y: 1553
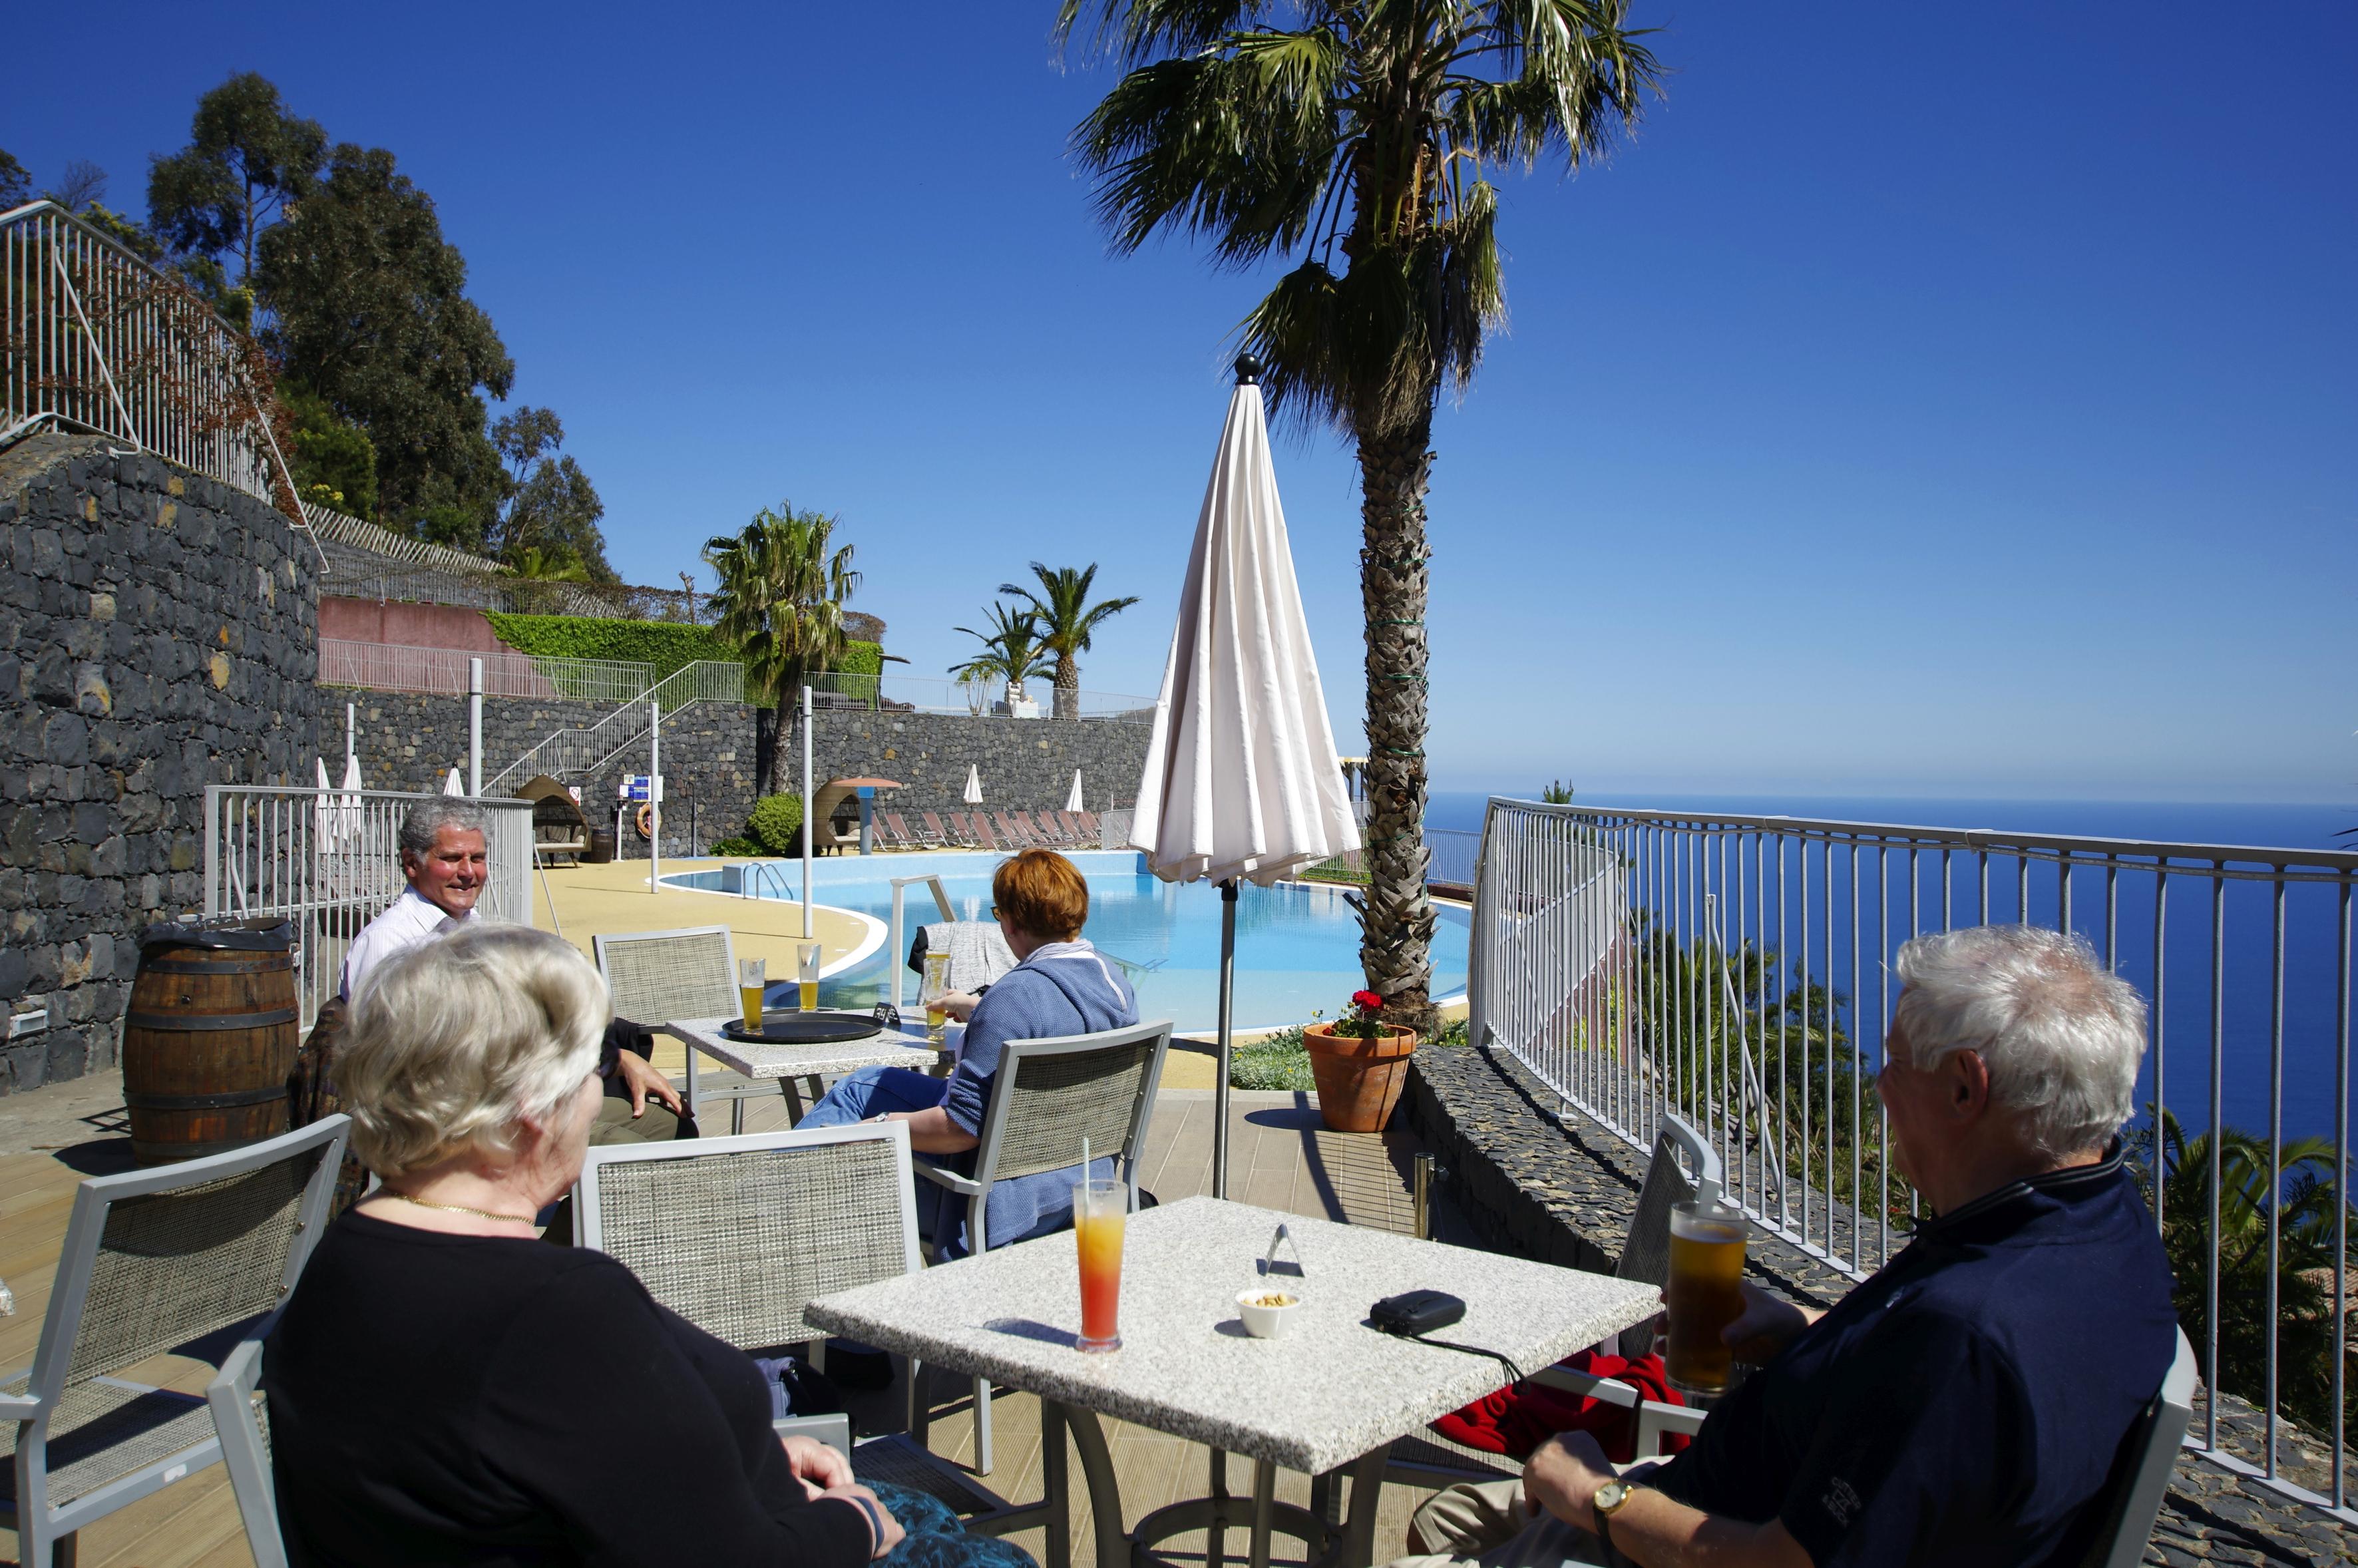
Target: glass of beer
x: 809, y: 954
x: 750, y: 982
x: 937, y: 985
x: 1100, y: 1208
x: 1706, y: 1262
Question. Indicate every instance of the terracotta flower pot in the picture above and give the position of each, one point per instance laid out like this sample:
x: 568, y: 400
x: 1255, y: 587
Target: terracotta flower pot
x: 1359, y: 1081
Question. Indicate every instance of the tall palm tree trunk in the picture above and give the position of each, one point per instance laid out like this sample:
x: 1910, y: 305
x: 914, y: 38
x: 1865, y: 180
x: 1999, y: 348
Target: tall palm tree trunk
x: 1068, y: 686
x: 765, y: 750
x: 1397, y: 925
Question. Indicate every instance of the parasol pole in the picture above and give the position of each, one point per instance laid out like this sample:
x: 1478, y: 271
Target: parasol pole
x: 1227, y: 998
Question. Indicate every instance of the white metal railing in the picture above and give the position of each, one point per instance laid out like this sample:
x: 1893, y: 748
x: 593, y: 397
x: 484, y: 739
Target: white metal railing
x: 976, y: 698
x: 1113, y: 828
x: 93, y: 338
x: 1737, y: 969
x: 1450, y: 856
x: 579, y: 749
x: 329, y: 861
x: 443, y: 671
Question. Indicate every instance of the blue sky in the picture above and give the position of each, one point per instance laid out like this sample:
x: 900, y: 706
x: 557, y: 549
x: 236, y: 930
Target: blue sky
x: 1944, y: 401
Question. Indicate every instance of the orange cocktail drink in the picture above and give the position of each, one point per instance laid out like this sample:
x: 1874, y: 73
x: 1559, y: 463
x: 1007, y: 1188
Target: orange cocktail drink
x: 1701, y: 1295
x: 1099, y: 1211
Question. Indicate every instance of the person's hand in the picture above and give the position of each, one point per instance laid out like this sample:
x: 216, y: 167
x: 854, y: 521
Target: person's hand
x: 1562, y: 1476
x: 957, y: 1004
x: 816, y: 1464
x: 1767, y: 1325
x: 890, y: 1535
x: 645, y: 1084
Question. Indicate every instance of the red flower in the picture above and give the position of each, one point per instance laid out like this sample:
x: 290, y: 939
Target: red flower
x: 1370, y: 1000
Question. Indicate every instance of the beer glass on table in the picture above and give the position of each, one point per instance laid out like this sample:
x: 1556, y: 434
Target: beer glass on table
x: 809, y: 957
x: 1707, y: 1263
x: 1099, y: 1210
x: 749, y: 983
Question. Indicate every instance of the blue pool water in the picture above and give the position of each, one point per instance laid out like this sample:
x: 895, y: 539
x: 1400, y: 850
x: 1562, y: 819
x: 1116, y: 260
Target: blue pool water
x: 1297, y: 946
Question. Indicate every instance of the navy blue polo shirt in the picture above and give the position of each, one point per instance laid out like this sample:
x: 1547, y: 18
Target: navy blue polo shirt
x: 1966, y: 1404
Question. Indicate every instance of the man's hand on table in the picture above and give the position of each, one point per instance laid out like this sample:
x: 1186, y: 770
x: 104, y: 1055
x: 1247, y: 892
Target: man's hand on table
x: 645, y: 1084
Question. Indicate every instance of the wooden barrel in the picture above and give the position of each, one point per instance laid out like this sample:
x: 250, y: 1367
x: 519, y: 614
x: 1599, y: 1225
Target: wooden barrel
x: 209, y: 1038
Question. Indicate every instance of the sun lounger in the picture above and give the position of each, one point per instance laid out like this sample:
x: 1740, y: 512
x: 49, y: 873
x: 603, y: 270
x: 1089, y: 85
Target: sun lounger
x: 1092, y: 833
x: 982, y: 833
x: 934, y: 833
x: 1071, y: 822
x: 1019, y: 834
x: 901, y: 837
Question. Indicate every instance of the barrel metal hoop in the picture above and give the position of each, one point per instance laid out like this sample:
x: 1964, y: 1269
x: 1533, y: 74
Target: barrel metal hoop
x: 203, y: 1102
x: 188, y: 1023
x: 220, y: 966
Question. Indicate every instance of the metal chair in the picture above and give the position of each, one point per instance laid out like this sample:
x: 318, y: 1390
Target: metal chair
x: 1046, y: 1097
x: 1646, y: 1258
x: 2141, y: 1471
x: 153, y: 1259
x: 242, y: 1422
x: 737, y: 1235
x: 660, y: 977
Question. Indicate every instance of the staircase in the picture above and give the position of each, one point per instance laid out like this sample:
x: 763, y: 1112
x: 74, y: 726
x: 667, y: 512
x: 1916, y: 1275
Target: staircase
x: 576, y: 752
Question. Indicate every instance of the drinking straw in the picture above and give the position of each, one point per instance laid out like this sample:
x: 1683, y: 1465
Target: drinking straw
x: 1085, y: 1156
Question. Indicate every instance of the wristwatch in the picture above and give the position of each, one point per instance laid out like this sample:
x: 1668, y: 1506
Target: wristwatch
x: 1610, y: 1499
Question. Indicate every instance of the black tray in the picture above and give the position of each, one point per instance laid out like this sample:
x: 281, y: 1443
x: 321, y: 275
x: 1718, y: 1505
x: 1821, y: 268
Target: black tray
x: 805, y: 1028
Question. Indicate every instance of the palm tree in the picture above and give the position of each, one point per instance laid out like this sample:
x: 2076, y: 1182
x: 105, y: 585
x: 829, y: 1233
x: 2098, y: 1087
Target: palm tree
x: 1011, y: 651
x: 780, y: 604
x: 1366, y: 128
x: 1066, y: 619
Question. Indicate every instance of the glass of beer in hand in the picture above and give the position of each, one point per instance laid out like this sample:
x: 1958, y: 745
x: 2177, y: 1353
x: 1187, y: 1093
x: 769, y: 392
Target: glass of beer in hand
x: 1706, y: 1262
x: 750, y: 984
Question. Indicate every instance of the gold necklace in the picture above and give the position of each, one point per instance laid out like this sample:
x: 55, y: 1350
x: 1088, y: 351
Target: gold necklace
x: 458, y: 1208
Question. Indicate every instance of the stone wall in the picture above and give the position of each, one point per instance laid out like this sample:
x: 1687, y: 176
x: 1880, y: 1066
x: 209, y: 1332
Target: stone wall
x: 408, y: 741
x: 159, y: 632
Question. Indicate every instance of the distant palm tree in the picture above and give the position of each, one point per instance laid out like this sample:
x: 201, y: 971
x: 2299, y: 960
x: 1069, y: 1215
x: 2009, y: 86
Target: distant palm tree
x: 1011, y: 651
x: 1067, y: 619
x: 780, y: 605
x: 554, y: 563
x: 1366, y: 128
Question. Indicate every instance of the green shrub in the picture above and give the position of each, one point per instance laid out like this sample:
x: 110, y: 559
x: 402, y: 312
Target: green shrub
x: 777, y: 824
x: 738, y: 846
x: 668, y: 645
x: 861, y: 659
x: 1278, y: 1061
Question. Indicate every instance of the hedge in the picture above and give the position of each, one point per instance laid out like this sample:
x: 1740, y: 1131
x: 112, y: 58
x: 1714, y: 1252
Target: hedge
x: 668, y: 645
x: 777, y: 824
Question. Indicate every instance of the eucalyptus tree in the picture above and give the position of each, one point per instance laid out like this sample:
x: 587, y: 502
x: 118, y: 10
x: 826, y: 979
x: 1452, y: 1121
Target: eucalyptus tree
x: 780, y: 604
x: 1068, y: 620
x: 1357, y: 139
x: 1014, y: 649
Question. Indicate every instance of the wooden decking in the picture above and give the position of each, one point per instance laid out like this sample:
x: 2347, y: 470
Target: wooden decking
x: 1279, y: 1157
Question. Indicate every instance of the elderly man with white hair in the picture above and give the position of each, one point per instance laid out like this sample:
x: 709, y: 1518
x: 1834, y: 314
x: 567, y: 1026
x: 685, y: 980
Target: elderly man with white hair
x: 1964, y: 1405
x: 445, y: 860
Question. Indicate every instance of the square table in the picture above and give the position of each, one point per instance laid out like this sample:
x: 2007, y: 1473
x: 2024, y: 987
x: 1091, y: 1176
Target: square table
x: 791, y: 1065
x: 1333, y: 1392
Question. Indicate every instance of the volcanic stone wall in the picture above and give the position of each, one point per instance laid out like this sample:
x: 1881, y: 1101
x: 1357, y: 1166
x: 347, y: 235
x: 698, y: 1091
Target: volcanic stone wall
x: 159, y: 632
x: 408, y: 741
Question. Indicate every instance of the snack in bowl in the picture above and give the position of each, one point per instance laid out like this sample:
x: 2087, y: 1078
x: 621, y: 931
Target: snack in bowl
x: 1267, y: 1314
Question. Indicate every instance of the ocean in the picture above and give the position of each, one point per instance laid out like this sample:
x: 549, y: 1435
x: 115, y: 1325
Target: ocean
x: 2258, y: 1083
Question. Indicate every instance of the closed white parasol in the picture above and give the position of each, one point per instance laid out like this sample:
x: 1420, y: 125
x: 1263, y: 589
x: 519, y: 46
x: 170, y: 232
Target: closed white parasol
x: 1241, y: 780
x: 973, y: 785
x: 1074, y: 801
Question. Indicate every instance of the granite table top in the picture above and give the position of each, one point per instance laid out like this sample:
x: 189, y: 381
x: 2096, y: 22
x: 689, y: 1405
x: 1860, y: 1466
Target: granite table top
x: 1332, y: 1390
x: 885, y: 1048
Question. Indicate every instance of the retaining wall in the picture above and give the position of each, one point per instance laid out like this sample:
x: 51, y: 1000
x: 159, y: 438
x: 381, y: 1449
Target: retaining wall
x: 159, y: 632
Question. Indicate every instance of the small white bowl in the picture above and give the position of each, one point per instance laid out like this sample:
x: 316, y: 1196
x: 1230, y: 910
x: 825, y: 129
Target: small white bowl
x: 1263, y: 1321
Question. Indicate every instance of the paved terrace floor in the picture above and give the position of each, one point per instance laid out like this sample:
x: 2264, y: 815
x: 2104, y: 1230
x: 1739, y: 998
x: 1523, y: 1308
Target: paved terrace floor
x: 1281, y: 1157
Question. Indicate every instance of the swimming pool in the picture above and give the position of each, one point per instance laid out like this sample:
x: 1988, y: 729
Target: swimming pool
x: 1297, y: 946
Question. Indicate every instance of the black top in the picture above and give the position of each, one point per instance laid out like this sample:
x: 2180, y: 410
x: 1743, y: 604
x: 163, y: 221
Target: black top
x: 469, y: 1399
x: 1966, y: 1404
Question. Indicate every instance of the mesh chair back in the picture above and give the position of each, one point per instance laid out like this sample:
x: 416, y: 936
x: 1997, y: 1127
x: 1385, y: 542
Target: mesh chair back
x: 175, y: 1265
x: 737, y: 1235
x: 661, y: 976
x: 1055, y: 1095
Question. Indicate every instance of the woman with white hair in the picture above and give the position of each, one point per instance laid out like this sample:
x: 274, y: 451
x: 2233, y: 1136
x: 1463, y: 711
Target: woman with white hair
x: 445, y: 1387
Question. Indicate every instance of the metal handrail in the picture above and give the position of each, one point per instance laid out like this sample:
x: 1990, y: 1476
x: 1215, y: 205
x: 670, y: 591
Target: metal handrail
x: 579, y: 748
x: 1736, y: 968
x: 93, y: 337
x: 394, y: 666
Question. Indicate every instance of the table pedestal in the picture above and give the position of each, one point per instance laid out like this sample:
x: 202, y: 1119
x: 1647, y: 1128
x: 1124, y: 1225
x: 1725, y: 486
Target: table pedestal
x: 1351, y: 1546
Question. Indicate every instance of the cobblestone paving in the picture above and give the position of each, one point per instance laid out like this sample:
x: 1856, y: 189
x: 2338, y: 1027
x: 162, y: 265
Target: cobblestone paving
x: 1561, y: 1187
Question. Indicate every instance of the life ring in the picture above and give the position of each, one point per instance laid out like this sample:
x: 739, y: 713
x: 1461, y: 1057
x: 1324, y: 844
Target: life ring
x: 646, y: 821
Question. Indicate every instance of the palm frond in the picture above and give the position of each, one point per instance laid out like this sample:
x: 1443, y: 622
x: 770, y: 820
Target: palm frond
x: 1135, y: 31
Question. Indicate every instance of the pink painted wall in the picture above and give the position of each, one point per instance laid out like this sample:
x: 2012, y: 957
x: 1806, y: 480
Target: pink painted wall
x: 407, y: 626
